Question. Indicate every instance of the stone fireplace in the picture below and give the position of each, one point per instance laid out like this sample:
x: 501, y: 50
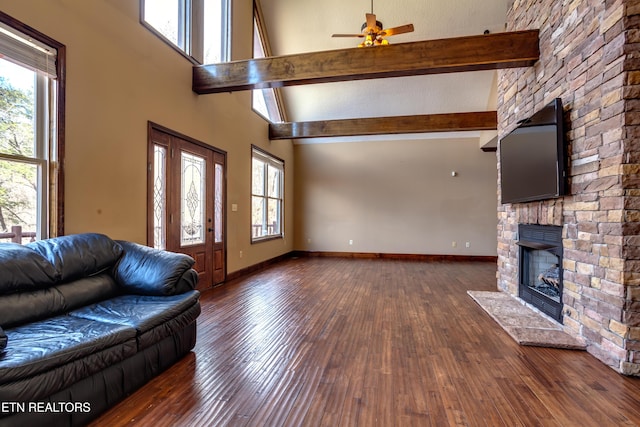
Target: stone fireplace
x: 540, y: 268
x: 590, y: 58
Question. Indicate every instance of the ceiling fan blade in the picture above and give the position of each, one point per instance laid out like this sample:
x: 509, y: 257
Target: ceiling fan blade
x: 347, y: 35
x: 371, y: 21
x: 397, y: 30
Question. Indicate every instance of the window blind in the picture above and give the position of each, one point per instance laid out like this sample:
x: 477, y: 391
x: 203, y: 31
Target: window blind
x: 266, y: 158
x: 27, y: 52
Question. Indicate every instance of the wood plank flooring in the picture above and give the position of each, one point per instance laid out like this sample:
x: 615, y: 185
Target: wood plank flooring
x: 371, y: 342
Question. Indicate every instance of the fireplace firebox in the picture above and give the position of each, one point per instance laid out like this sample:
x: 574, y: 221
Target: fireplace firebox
x: 540, y: 267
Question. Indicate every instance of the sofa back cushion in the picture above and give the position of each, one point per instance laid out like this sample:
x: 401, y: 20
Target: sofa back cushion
x: 29, y: 306
x: 24, y: 269
x: 79, y: 255
x: 52, y: 276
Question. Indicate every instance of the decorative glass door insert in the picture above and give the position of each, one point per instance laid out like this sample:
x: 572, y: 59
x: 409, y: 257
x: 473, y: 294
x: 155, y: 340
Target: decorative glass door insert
x: 192, y: 217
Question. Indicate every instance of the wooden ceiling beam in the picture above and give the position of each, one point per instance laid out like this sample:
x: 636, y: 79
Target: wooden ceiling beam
x: 472, y: 53
x: 454, y: 122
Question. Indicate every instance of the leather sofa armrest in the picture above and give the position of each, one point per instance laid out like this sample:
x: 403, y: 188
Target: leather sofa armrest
x: 146, y: 271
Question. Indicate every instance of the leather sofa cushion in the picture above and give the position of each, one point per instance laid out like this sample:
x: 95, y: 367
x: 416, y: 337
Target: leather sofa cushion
x: 169, y: 328
x: 24, y: 269
x: 29, y: 306
x: 142, y: 312
x: 79, y: 255
x: 102, y: 379
x: 146, y: 271
x: 41, y: 346
x: 3, y: 340
x: 43, y: 385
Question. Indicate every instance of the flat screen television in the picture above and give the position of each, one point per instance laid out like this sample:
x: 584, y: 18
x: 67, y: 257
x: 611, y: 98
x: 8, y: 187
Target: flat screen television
x: 532, y: 158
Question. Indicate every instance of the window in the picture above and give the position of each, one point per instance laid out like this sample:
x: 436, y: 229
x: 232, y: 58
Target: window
x: 265, y: 101
x: 29, y: 121
x: 197, y: 28
x: 267, y: 195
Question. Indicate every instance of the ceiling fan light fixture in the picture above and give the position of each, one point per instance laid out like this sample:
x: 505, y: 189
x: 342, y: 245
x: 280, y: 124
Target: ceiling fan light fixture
x: 368, y: 41
x: 374, y: 33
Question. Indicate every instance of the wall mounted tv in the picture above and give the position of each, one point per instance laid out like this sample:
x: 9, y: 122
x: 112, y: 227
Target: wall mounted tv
x: 532, y: 158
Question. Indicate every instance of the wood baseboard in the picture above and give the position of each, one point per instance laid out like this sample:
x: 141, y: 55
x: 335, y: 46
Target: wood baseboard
x: 360, y: 255
x: 407, y: 257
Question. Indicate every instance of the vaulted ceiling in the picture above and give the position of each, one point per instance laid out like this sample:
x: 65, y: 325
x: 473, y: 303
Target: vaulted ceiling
x: 307, y: 25
x: 296, y: 26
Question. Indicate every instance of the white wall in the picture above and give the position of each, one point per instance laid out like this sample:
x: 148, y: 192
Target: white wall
x: 396, y: 197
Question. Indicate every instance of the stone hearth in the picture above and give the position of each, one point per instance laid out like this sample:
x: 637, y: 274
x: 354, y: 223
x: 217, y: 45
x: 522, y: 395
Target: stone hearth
x: 524, y: 324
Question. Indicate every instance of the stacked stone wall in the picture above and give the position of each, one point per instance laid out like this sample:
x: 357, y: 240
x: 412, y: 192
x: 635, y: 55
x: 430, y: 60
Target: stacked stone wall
x: 631, y: 184
x: 588, y: 58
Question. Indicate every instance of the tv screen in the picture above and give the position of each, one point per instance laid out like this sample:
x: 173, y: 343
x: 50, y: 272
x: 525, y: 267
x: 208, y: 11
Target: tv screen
x: 532, y: 160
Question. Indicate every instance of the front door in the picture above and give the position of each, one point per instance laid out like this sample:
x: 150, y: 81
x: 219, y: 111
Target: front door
x: 186, y: 201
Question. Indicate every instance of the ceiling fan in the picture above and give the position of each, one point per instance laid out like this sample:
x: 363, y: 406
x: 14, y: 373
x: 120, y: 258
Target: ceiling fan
x: 373, y: 32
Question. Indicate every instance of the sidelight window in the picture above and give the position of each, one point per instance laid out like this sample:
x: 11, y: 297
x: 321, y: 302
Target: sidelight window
x: 159, y: 196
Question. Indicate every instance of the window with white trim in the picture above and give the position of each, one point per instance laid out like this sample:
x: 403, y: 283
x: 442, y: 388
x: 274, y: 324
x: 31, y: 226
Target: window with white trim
x: 28, y: 137
x: 199, y: 29
x: 267, y: 195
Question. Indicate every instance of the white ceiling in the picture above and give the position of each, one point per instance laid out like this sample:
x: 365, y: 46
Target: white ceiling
x: 296, y: 26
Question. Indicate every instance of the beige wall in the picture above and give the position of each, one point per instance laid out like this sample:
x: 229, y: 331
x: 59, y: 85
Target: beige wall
x: 119, y: 77
x: 396, y: 197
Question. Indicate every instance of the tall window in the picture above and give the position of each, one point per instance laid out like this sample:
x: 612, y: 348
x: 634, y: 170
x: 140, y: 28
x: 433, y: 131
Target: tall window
x: 29, y: 174
x: 267, y: 195
x: 197, y: 28
x: 265, y: 101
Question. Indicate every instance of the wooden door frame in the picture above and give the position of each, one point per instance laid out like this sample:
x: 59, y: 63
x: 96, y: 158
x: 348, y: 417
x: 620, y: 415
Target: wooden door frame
x: 151, y: 126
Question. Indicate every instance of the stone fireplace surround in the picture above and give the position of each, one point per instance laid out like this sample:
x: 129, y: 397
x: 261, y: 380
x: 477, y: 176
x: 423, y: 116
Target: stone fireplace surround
x: 590, y: 58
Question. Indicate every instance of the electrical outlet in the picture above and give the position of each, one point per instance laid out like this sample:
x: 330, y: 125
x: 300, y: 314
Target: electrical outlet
x: 240, y: 254
x: 350, y: 242
x: 454, y: 244
x: 467, y: 244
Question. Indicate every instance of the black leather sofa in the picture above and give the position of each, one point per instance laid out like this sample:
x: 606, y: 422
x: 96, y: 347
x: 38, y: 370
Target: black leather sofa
x: 85, y: 321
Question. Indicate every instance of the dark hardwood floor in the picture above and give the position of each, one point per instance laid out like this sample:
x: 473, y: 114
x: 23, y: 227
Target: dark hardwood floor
x: 371, y: 342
